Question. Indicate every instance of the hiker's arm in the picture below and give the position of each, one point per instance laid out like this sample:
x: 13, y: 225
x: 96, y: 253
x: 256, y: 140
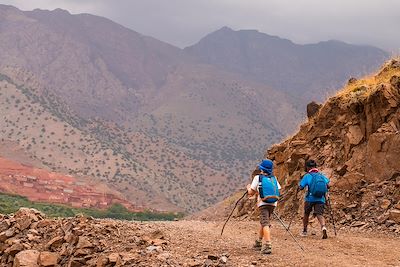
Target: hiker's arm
x: 303, y: 183
x: 328, y: 184
x: 252, y: 188
x: 250, y: 191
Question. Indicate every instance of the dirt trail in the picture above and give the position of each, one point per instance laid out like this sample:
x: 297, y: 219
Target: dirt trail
x: 28, y: 237
x: 197, y: 240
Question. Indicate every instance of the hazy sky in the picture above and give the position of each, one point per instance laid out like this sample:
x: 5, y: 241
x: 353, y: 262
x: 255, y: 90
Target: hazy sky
x: 184, y: 22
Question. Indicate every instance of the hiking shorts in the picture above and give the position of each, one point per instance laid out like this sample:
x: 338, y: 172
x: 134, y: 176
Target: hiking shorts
x: 316, y: 207
x: 266, y: 214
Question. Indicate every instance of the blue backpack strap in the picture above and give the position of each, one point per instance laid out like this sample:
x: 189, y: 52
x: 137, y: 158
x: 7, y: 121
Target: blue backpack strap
x: 311, y: 182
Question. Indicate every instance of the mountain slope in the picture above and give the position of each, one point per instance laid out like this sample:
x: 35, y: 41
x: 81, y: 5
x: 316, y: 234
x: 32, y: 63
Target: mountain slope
x: 187, y: 130
x: 149, y: 170
x: 52, y: 141
x: 302, y: 70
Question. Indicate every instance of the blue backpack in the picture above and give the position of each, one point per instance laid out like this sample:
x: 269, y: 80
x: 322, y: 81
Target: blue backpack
x: 318, y: 186
x: 268, y: 188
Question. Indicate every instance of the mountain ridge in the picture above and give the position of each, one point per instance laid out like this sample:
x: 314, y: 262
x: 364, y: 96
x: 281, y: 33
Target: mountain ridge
x: 265, y: 58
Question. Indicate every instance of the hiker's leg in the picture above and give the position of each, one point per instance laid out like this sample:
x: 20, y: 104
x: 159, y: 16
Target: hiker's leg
x: 266, y: 234
x: 307, y: 211
x: 258, y: 242
x: 266, y: 213
x: 267, y: 227
x: 321, y: 220
x: 261, y: 233
x: 319, y: 209
x: 305, y: 221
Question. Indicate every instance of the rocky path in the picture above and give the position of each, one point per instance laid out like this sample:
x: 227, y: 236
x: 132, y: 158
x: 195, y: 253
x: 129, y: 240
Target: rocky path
x: 201, y: 240
x: 29, y: 239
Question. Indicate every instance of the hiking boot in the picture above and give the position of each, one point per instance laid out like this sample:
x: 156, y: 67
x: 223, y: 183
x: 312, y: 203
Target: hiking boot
x: 304, y: 234
x: 266, y: 249
x: 257, y: 244
x: 324, y: 233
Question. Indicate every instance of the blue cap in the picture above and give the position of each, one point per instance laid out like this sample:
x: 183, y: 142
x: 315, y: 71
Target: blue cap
x: 266, y: 166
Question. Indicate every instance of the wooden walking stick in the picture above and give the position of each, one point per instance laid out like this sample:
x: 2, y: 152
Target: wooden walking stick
x: 237, y: 202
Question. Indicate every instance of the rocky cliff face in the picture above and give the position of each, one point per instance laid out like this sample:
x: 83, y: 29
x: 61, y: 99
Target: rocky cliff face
x: 355, y: 139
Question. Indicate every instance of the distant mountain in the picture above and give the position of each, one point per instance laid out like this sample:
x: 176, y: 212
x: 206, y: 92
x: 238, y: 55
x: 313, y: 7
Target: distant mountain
x: 302, y: 70
x: 100, y: 67
x: 150, y: 120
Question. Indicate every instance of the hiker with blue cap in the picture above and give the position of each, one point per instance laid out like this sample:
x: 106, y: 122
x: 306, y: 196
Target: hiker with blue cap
x: 266, y: 187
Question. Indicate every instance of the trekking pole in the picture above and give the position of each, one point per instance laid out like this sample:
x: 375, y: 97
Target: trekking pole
x: 331, y: 212
x: 237, y: 202
x: 286, y: 228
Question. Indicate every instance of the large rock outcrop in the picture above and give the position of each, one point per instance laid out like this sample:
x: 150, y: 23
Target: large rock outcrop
x: 355, y: 139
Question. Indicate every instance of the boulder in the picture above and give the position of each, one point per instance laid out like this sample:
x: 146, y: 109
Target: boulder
x: 102, y: 261
x: 55, y: 242
x: 82, y: 252
x: 351, y: 81
x: 357, y: 224
x: 114, y: 258
x: 394, y: 215
x: 25, y: 216
x: 14, y: 249
x: 83, y: 242
x: 223, y: 259
x: 312, y: 109
x: 213, y: 257
x: 4, y: 225
x: 3, y: 236
x: 77, y: 262
x: 385, y: 203
x: 26, y: 258
x: 48, y: 258
x: 395, y: 82
x: 355, y: 135
x: 349, y: 180
x: 23, y: 223
x: 158, y: 242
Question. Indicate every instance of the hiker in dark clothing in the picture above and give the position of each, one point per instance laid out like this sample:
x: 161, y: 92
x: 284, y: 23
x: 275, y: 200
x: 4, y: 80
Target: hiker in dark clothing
x: 317, y: 185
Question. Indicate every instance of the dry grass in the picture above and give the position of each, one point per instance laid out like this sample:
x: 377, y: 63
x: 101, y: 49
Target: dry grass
x: 366, y: 86
x: 358, y: 90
